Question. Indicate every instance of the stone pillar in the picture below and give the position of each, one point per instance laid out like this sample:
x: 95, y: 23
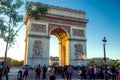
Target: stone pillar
x: 38, y: 51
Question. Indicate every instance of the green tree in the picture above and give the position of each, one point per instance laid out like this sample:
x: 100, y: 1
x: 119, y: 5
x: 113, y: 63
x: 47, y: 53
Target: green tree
x: 9, y: 21
x: 100, y: 63
x: 117, y: 63
x: 110, y: 63
x: 36, y: 10
x: 17, y: 63
x: 91, y: 62
x: 55, y: 63
x: 10, y: 18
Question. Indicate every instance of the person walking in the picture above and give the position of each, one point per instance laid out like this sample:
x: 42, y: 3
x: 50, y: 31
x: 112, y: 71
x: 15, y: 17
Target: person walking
x: 25, y: 74
x: 38, y: 71
x: 44, y: 71
x: 69, y: 72
x: 52, y: 73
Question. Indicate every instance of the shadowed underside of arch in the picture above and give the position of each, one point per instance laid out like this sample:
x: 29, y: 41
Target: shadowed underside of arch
x: 60, y: 34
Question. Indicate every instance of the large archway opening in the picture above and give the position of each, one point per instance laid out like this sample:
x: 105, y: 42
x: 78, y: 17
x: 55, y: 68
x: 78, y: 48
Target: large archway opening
x: 53, y: 46
x: 53, y: 51
x: 63, y: 51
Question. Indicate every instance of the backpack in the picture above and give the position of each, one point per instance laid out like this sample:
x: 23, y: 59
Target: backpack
x: 38, y: 69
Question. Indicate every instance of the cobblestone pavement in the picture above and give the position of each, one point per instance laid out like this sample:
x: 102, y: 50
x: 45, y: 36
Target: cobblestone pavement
x: 31, y: 75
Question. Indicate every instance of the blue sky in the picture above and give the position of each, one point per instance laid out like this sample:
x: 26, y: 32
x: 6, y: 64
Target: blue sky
x: 104, y: 21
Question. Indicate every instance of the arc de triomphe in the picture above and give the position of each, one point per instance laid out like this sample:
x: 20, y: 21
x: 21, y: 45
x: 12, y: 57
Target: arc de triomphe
x: 68, y: 25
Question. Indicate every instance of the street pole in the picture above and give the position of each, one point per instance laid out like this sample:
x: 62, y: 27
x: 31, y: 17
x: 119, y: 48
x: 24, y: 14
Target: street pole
x: 105, y: 67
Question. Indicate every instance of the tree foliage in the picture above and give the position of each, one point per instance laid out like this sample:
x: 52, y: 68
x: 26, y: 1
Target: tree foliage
x: 10, y: 16
x: 37, y: 11
x: 117, y: 63
x: 91, y: 62
x: 13, y: 62
x: 10, y: 19
x: 108, y: 63
x: 55, y: 63
x: 17, y: 63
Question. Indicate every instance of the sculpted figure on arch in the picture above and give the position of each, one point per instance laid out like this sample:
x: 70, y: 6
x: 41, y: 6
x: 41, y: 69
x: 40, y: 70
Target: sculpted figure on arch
x: 37, y: 48
x: 78, y: 51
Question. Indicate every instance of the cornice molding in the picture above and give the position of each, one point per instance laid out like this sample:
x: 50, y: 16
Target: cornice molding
x: 61, y: 8
x: 38, y: 36
x: 73, y: 39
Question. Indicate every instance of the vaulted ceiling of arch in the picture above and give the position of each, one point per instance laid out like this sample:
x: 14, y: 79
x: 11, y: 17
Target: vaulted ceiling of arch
x: 59, y: 33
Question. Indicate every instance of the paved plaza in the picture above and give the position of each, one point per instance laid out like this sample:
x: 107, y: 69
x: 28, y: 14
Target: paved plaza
x: 31, y: 75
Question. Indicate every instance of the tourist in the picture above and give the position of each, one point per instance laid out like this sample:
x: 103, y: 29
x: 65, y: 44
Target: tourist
x: 2, y: 72
x: 38, y: 71
x: 101, y: 74
x: 83, y: 72
x: 7, y: 69
x: 25, y: 74
x: 118, y: 76
x: 44, y: 71
x: 19, y: 75
x: 52, y: 73
x: 63, y: 72
x: 69, y: 72
x: 114, y: 73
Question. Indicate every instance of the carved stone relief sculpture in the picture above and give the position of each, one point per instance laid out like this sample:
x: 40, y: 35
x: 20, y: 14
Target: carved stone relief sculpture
x: 78, y: 51
x: 38, y: 28
x: 78, y: 32
x: 37, y: 48
x: 51, y: 26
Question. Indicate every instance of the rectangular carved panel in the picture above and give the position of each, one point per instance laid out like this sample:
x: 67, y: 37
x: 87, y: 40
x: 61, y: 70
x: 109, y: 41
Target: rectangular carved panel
x: 78, y: 32
x: 38, y: 28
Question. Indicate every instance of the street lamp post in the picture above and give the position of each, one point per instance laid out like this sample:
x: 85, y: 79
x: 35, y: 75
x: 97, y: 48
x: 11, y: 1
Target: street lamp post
x: 104, y: 43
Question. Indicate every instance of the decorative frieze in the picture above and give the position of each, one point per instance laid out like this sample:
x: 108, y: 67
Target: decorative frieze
x: 78, y: 32
x: 52, y: 26
x: 38, y: 28
x: 66, y: 13
x: 64, y: 21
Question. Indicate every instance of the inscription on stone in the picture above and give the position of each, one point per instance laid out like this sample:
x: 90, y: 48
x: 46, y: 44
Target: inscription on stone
x: 38, y: 28
x: 62, y: 21
x: 78, y: 32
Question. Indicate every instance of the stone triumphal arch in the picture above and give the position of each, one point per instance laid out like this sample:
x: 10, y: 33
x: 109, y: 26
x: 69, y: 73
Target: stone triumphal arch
x: 68, y: 25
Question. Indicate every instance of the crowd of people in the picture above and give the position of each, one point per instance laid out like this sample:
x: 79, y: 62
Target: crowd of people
x: 66, y: 72
x: 95, y: 72
x: 84, y: 72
